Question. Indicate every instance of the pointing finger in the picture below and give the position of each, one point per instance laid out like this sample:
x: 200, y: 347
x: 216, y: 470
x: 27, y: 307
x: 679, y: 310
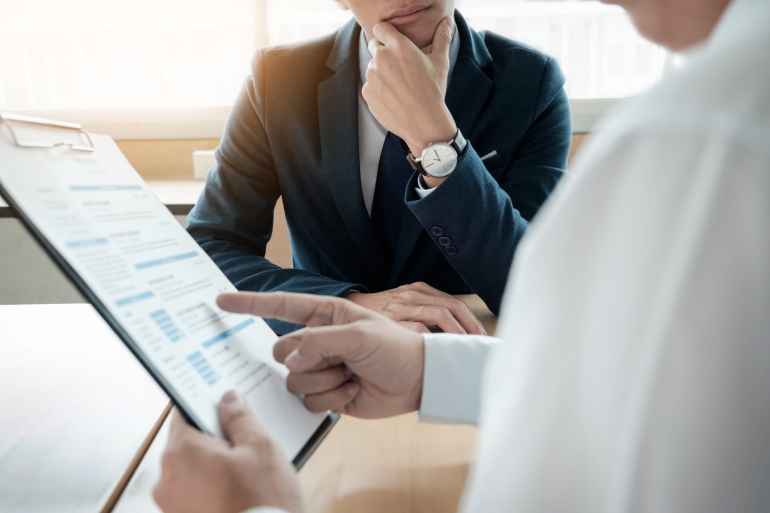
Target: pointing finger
x: 307, y: 309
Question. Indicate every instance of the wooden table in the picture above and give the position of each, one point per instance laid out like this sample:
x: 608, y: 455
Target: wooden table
x: 370, y: 466
x: 75, y: 410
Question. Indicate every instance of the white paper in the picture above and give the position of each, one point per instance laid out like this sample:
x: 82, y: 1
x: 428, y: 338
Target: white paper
x: 155, y: 280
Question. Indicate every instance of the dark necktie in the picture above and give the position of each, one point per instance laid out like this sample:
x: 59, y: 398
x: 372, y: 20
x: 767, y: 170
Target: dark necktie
x: 388, y: 204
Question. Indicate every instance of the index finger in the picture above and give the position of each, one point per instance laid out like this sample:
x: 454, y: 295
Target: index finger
x: 387, y: 34
x: 373, y: 46
x: 305, y: 309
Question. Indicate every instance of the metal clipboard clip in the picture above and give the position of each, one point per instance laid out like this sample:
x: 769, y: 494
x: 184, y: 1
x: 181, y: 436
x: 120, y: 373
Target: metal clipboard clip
x: 10, y: 119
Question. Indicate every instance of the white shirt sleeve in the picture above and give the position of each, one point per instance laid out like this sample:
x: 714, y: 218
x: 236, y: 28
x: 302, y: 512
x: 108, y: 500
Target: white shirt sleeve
x: 454, y: 365
x: 421, y: 190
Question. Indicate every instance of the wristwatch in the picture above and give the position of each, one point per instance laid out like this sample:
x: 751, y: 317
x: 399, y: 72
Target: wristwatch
x: 439, y: 159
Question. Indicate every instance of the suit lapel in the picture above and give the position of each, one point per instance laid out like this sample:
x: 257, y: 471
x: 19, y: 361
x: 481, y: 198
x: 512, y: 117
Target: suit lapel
x: 338, y: 123
x: 467, y: 93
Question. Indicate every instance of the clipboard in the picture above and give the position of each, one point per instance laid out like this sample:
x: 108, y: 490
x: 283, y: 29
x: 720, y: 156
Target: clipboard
x: 71, y: 138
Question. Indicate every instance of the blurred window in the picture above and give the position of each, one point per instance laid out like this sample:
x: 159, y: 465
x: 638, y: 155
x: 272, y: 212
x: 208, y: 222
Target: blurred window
x: 96, y: 54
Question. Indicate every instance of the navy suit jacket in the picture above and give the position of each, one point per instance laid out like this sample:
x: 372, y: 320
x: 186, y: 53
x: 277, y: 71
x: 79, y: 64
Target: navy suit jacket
x: 293, y: 133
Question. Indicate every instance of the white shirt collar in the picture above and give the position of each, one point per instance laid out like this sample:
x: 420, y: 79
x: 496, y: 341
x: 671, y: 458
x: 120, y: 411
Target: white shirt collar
x: 364, y: 57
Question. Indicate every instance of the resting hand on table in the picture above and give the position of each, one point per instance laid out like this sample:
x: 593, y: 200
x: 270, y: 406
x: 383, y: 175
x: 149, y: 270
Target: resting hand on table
x: 348, y: 359
x: 209, y: 475
x: 418, y: 306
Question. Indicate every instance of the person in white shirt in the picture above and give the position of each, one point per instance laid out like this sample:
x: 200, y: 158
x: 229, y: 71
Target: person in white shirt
x: 633, y: 370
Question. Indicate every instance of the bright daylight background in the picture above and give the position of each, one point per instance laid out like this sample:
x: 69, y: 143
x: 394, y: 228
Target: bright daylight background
x: 87, y: 54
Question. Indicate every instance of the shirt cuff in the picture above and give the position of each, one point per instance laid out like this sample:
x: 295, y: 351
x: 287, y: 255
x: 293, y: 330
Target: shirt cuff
x: 421, y: 188
x: 454, y: 366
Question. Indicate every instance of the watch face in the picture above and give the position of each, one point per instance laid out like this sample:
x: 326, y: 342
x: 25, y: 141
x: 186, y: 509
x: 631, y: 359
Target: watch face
x: 439, y: 160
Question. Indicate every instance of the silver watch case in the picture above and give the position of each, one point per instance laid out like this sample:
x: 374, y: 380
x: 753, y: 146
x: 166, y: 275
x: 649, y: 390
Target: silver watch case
x: 438, y: 160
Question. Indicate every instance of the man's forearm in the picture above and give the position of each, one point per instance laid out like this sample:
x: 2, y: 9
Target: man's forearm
x: 454, y: 366
x: 472, y: 220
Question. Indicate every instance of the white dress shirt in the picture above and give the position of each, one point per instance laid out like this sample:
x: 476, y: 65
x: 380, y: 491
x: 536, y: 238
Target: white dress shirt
x: 634, y: 369
x: 371, y: 134
x: 634, y: 375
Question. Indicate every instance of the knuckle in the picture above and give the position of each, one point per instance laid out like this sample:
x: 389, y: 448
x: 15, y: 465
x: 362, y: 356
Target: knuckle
x: 281, y: 350
x: 236, y: 416
x: 439, y: 312
x: 263, y: 445
x: 312, y: 404
x: 292, y: 384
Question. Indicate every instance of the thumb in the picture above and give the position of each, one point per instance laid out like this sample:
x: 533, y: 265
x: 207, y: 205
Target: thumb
x: 238, y: 422
x: 442, y: 39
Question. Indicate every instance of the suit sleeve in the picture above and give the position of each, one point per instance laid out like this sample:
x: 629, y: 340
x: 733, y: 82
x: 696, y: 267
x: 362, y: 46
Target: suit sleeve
x: 233, y: 219
x: 478, y: 222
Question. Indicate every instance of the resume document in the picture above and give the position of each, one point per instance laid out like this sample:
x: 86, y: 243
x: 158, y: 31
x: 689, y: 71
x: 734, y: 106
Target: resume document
x: 142, y: 270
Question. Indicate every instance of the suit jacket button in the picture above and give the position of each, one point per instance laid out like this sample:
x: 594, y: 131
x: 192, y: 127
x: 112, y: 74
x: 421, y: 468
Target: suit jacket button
x: 445, y: 241
x: 450, y: 250
x: 437, y: 231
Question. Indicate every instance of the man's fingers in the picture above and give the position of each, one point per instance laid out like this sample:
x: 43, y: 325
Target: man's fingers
x: 387, y: 34
x: 442, y: 39
x: 456, y: 307
x: 427, y: 314
x: 238, y: 422
x: 459, y: 309
x: 464, y: 316
x: 415, y: 326
x: 306, y: 309
x: 374, y: 46
x: 439, y: 316
x: 286, y: 345
x: 317, y: 382
x: 334, y: 400
x: 323, y: 347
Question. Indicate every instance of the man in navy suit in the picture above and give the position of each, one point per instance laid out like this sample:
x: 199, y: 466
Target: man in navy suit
x: 411, y: 153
